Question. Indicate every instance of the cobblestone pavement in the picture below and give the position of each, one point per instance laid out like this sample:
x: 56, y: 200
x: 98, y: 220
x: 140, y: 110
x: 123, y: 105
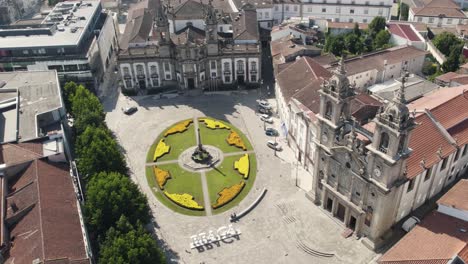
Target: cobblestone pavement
x: 284, y: 227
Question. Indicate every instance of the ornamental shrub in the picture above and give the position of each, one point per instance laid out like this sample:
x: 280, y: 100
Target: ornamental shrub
x: 161, y: 176
x: 161, y: 150
x: 242, y: 165
x: 228, y: 194
x: 185, y: 200
x: 235, y: 140
x: 178, y: 128
x: 213, y: 124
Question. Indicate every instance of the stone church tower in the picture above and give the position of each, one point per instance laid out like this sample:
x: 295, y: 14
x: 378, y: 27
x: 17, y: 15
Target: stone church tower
x: 359, y: 172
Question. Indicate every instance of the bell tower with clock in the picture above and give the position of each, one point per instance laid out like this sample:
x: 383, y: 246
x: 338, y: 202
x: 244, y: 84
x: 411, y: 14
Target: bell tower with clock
x: 389, y: 149
x: 335, y: 96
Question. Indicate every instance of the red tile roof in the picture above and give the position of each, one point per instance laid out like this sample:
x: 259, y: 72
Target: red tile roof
x: 457, y: 196
x: 12, y: 153
x: 301, y: 74
x: 436, y: 240
x: 50, y: 229
x: 437, y: 8
x: 404, y: 31
x: 447, y: 77
x: 426, y: 131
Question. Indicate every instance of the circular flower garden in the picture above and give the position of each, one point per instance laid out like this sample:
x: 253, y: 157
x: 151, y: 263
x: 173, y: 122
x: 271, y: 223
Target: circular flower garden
x: 201, y: 190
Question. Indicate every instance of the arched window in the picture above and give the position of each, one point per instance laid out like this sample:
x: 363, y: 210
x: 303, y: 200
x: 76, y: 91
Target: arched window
x: 391, y: 116
x: 126, y: 71
x: 383, y: 146
x: 328, y: 111
x: 227, y: 66
x: 153, y: 69
x: 139, y: 69
x: 240, y: 65
x: 253, y: 66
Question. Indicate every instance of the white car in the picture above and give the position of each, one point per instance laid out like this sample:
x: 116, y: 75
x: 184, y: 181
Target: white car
x: 267, y: 118
x: 264, y: 104
x: 274, y: 145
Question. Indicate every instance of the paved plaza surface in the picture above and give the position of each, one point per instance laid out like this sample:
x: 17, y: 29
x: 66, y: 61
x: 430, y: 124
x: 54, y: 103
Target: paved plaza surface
x: 285, y: 227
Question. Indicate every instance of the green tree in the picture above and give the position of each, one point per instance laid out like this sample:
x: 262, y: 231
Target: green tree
x: 68, y: 91
x: 86, y: 109
x: 356, y: 30
x: 335, y: 45
x: 381, y: 39
x: 453, y: 60
x: 127, y: 244
x: 376, y: 25
x: 354, y: 44
x: 445, y: 41
x: 110, y: 195
x: 429, y: 68
x: 404, y: 11
x: 98, y: 151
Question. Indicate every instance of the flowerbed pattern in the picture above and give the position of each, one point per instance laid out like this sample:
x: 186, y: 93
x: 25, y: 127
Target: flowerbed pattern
x: 235, y: 140
x: 213, y: 124
x: 185, y: 200
x: 228, y: 194
x: 161, y: 176
x: 178, y: 128
x: 242, y: 165
x: 161, y: 150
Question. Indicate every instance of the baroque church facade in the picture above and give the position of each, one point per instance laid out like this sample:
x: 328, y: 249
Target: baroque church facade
x: 360, y: 175
x: 189, y: 46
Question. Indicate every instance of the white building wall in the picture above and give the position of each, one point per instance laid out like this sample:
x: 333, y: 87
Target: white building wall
x: 458, y: 213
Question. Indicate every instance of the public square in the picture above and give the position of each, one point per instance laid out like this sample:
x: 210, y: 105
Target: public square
x: 285, y: 227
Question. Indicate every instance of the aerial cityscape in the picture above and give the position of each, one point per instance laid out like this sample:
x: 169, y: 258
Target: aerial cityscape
x: 233, y: 131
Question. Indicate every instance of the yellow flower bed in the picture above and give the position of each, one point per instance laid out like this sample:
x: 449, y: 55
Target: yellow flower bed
x: 178, y: 128
x: 213, y: 124
x: 228, y: 194
x: 236, y: 140
x: 185, y: 200
x: 242, y: 165
x: 161, y: 176
x: 161, y: 150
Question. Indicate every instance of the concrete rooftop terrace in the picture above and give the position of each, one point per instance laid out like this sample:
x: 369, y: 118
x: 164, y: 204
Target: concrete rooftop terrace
x: 65, y: 25
x: 39, y: 92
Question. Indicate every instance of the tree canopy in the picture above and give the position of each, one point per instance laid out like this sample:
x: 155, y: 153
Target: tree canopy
x: 453, y: 60
x: 335, y: 45
x: 354, y: 44
x: 376, y: 25
x: 125, y: 243
x: 381, y: 39
x: 445, y: 42
x: 86, y: 109
x: 97, y: 151
x: 111, y: 195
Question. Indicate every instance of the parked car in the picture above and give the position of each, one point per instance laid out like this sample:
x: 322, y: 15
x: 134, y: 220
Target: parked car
x: 264, y: 104
x: 410, y: 223
x: 271, y: 132
x: 267, y: 118
x: 129, y: 110
x: 274, y: 145
x: 264, y: 111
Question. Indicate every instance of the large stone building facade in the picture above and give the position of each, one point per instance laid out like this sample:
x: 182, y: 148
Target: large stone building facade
x: 371, y: 175
x: 359, y: 176
x: 190, y: 46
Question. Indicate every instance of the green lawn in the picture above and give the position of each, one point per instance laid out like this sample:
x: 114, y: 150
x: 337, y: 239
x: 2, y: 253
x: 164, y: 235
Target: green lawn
x: 178, y: 143
x: 225, y: 176
x: 182, y: 181
x: 217, y: 138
